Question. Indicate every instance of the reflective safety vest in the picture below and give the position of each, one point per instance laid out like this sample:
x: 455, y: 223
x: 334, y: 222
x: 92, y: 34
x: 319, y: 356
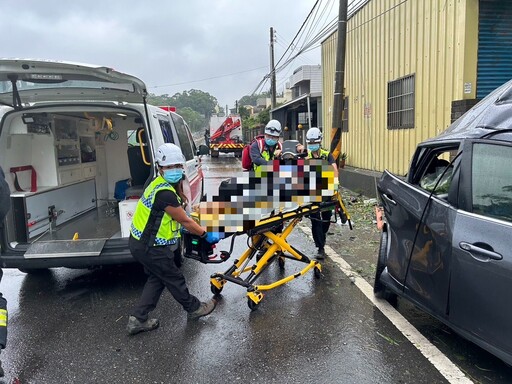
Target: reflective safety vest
x: 324, y: 154
x: 152, y: 227
x: 266, y: 155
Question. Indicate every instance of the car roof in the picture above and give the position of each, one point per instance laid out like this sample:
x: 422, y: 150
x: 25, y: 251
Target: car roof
x: 491, y: 114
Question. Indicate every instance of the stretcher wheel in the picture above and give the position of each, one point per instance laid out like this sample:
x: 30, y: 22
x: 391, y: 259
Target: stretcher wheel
x: 281, y: 262
x: 252, y: 305
x: 254, y: 299
x: 215, y: 290
x: 317, y: 272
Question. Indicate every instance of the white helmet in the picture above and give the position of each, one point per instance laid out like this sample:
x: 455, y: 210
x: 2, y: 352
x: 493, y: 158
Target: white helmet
x: 273, y: 128
x: 314, y: 135
x: 169, y: 154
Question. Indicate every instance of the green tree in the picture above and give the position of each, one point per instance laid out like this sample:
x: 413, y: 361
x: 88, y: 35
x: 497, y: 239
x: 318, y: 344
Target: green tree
x: 159, y: 100
x: 199, y: 101
x: 194, y: 119
x: 248, y: 100
x: 244, y: 112
x: 264, y: 116
x: 195, y: 106
x: 252, y: 99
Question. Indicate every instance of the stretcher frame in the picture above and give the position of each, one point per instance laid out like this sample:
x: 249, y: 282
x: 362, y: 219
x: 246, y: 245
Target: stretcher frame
x: 268, y: 245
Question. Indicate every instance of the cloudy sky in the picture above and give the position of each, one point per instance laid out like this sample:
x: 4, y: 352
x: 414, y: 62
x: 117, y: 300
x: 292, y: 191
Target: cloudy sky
x: 218, y: 46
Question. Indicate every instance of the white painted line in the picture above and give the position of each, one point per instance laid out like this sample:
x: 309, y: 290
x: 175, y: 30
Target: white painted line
x: 450, y: 371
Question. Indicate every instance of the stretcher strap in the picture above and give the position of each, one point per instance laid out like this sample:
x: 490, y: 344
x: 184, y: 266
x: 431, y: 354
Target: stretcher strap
x: 33, y: 178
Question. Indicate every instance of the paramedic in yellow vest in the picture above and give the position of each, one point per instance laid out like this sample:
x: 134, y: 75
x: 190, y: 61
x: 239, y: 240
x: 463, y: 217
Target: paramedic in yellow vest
x: 271, y: 148
x: 154, y: 235
x: 320, y: 221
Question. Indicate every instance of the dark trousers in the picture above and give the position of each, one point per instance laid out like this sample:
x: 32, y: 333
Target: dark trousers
x: 320, y: 223
x: 162, y: 273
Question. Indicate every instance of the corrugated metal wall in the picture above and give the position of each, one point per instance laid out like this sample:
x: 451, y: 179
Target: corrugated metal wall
x: 494, y: 46
x: 389, y: 39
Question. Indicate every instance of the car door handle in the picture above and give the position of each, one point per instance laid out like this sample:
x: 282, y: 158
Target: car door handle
x: 479, y: 251
x: 389, y: 199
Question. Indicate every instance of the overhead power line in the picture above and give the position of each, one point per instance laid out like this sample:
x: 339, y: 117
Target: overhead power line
x: 297, y: 34
x: 208, y: 78
x: 306, y: 46
x: 312, y: 43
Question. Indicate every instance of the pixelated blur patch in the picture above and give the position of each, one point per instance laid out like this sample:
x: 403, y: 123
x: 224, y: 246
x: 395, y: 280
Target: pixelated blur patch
x: 276, y: 187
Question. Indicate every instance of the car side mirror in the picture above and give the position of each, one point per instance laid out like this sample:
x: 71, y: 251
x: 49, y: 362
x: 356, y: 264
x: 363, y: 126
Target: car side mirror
x: 203, y: 150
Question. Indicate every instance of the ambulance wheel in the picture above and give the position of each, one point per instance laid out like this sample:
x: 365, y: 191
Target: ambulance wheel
x: 281, y: 262
x: 252, y: 305
x: 215, y: 290
x: 317, y: 272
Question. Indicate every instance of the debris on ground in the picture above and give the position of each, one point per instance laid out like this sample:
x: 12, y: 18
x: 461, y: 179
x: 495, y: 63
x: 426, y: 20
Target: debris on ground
x: 359, y: 247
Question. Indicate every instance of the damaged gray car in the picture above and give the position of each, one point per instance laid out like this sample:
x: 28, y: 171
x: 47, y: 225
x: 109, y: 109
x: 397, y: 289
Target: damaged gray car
x: 446, y: 244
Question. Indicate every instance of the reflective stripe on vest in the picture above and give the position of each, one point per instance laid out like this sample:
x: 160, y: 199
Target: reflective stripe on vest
x: 169, y: 229
x: 3, y: 318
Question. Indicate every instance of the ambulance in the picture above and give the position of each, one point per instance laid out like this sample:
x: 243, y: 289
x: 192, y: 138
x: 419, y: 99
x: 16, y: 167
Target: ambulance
x: 77, y: 145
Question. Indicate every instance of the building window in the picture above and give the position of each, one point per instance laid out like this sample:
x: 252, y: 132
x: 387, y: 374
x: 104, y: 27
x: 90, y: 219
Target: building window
x: 401, y: 103
x: 303, y: 117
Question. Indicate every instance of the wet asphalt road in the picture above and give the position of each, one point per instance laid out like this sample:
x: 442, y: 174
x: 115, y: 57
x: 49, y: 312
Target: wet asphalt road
x: 68, y: 326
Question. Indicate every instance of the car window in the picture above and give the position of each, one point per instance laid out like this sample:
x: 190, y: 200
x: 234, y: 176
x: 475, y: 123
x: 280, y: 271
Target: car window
x: 181, y: 130
x: 436, y: 175
x: 133, y: 137
x: 165, y: 126
x: 191, y: 139
x: 491, y: 180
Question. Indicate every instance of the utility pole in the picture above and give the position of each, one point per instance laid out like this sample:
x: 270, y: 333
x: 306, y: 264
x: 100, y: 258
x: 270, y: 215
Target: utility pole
x: 339, y: 85
x: 272, y: 71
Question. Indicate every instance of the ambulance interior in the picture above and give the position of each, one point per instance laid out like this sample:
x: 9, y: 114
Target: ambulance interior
x: 69, y: 170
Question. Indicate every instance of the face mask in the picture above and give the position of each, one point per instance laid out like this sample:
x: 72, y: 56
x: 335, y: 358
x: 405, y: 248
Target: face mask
x: 314, y: 147
x: 270, y: 142
x: 173, y: 175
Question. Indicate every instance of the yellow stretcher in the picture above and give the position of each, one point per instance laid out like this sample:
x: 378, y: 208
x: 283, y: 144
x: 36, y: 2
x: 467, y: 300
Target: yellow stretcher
x: 267, y: 244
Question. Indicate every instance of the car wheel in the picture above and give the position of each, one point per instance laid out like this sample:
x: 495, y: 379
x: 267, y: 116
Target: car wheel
x: 381, y: 262
x: 379, y: 289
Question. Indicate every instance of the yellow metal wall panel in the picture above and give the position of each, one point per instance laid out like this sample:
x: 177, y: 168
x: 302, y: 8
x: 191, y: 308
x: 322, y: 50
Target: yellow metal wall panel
x: 470, y: 55
x: 435, y: 40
